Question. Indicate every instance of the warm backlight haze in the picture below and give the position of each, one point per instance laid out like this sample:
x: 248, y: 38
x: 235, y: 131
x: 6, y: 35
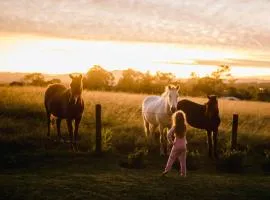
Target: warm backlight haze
x: 29, y: 53
x: 157, y: 35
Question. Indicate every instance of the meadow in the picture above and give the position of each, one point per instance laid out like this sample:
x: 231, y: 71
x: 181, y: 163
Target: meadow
x: 37, y: 167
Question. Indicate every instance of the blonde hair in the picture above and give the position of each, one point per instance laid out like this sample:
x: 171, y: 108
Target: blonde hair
x: 179, y: 122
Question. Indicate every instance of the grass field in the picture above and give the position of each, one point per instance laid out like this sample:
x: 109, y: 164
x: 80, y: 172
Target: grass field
x: 35, y: 167
x: 84, y: 176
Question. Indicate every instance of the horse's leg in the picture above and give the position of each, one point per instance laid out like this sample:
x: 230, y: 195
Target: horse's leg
x: 77, y: 123
x: 209, y: 136
x: 161, y: 140
x: 48, y: 122
x: 70, y: 131
x: 152, y: 132
x: 215, y: 134
x: 146, y: 128
x: 58, y: 125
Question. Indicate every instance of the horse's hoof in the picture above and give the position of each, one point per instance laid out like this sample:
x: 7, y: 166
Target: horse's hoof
x: 74, y: 148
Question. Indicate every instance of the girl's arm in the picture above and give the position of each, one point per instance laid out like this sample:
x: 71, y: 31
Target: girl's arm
x: 170, y: 135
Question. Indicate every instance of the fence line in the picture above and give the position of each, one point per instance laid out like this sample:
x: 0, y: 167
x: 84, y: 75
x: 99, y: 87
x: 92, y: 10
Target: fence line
x: 99, y: 134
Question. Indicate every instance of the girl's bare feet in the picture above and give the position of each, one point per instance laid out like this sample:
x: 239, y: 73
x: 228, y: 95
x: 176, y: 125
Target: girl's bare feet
x: 183, y: 175
x: 164, y: 173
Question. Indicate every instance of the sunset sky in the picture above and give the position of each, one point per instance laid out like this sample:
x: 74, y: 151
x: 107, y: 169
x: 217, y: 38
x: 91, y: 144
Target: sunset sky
x: 63, y: 36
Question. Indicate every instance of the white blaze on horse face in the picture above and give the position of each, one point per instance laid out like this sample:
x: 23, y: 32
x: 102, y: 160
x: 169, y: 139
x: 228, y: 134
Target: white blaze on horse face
x: 172, y: 100
x: 76, y: 97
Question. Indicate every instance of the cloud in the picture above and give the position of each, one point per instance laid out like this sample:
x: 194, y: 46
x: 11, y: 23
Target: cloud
x: 228, y: 23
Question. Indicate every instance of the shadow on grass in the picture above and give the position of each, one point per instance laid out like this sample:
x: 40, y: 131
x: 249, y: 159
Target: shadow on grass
x: 23, y: 113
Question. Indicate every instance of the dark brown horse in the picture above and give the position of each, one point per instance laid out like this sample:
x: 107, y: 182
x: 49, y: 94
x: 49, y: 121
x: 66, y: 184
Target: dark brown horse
x: 203, y: 117
x: 65, y: 103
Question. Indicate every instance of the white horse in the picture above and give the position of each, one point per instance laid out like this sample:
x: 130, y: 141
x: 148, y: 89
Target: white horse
x: 157, y: 112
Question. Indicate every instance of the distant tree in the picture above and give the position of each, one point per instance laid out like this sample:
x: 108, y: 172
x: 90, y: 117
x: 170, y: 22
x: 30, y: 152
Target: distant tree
x: 147, y: 83
x: 213, y: 84
x: 54, y: 80
x: 98, y: 78
x: 161, y: 79
x: 223, y: 71
x: 263, y: 94
x: 36, y: 79
x: 130, y: 81
x: 232, y: 91
x: 194, y: 75
x: 16, y: 83
x: 188, y: 86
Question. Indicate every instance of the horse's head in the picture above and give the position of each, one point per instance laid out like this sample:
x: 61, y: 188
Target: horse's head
x: 76, y: 88
x: 171, y: 97
x: 212, y: 110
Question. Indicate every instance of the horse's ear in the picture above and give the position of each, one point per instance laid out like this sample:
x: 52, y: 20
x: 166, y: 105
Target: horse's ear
x: 71, y: 76
x: 177, y: 87
x: 169, y: 87
x: 208, y: 96
x: 80, y: 76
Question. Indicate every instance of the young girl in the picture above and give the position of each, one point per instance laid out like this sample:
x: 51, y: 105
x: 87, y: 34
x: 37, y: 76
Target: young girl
x: 179, y: 148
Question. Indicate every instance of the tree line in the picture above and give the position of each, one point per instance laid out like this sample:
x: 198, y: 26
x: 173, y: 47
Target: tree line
x: 34, y: 79
x: 219, y: 82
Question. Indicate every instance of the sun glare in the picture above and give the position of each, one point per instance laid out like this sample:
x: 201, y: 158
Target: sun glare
x: 52, y: 55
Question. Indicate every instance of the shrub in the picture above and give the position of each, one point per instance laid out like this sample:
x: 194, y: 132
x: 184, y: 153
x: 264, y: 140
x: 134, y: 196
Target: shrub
x: 232, y: 161
x: 193, y: 160
x: 266, y: 163
x: 136, y: 159
x: 107, y: 139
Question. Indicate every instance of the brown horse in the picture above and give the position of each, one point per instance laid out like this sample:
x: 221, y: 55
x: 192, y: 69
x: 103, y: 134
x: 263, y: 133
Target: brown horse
x: 203, y: 117
x: 65, y: 103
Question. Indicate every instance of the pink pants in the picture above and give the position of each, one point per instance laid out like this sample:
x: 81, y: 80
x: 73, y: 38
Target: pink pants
x: 178, y: 152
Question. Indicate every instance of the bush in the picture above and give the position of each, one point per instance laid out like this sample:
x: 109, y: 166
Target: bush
x: 136, y: 159
x: 107, y: 139
x: 193, y: 160
x: 232, y: 161
x: 266, y: 163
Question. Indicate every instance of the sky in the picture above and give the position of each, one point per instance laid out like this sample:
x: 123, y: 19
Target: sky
x: 63, y: 36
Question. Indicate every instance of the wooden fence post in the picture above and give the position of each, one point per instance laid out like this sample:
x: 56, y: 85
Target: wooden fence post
x: 234, y: 132
x: 98, y: 128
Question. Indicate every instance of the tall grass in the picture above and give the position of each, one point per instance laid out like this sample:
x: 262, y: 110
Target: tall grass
x: 22, y: 119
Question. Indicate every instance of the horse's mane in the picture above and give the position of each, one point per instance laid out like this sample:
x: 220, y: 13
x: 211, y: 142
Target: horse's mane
x: 166, y: 92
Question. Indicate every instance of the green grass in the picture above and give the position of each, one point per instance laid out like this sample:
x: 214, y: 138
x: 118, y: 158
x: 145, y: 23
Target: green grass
x: 86, y: 176
x: 23, y: 118
x: 35, y: 167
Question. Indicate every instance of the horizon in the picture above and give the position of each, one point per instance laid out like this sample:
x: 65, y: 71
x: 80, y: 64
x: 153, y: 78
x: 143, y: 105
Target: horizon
x: 124, y: 34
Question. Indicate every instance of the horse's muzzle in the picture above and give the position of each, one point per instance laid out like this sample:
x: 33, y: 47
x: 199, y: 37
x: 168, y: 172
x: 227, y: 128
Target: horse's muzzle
x: 173, y: 109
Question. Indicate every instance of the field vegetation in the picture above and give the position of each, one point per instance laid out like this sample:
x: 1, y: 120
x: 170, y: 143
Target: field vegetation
x: 37, y: 167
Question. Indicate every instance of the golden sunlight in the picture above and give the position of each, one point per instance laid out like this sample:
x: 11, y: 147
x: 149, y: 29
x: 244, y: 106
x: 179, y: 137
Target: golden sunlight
x: 27, y: 53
